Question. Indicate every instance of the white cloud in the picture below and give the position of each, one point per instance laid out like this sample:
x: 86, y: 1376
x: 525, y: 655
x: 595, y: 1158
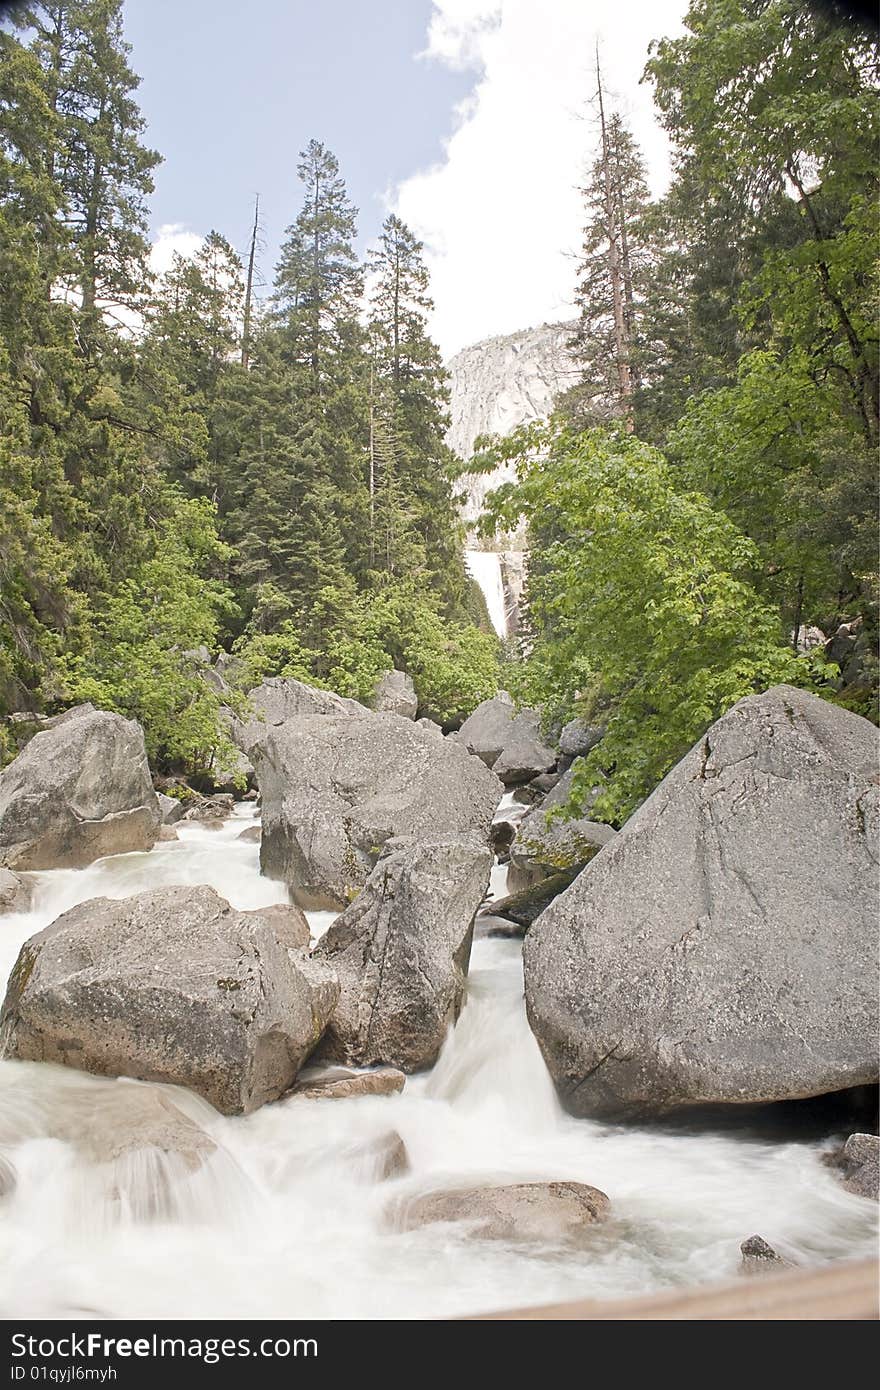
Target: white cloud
x: 501, y: 215
x: 170, y: 238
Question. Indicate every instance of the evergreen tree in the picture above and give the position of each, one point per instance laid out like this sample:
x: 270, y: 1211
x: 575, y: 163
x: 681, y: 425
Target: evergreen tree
x: 103, y: 169
x: 613, y: 277
x: 408, y: 395
x: 318, y: 282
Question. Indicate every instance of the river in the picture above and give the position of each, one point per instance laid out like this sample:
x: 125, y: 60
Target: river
x: 287, y: 1217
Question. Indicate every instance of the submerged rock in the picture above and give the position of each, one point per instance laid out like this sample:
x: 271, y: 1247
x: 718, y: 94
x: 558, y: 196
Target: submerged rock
x: 760, y: 1258
x: 335, y: 790
x: 8, y: 1176
x: 172, y: 985
x: 396, y: 694
x: 345, y: 1085
x: 401, y: 953
x: 80, y: 789
x: 128, y: 1119
x: 723, y: 948
x: 550, y: 1212
x: 380, y: 1159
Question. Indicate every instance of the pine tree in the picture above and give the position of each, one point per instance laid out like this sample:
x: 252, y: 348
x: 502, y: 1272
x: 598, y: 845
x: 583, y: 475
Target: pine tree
x: 409, y: 395
x: 613, y: 276
x: 318, y: 281
x: 103, y: 169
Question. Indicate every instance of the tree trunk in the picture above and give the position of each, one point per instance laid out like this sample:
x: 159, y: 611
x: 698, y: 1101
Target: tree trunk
x: 249, y: 289
x: 621, y: 346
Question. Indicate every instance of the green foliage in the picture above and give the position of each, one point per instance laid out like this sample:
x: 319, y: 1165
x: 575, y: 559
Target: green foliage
x: 640, y: 610
x: 138, y: 658
x: 157, y: 495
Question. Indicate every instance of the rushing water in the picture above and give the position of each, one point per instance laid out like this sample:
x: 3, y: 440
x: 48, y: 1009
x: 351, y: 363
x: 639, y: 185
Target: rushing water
x: 288, y: 1219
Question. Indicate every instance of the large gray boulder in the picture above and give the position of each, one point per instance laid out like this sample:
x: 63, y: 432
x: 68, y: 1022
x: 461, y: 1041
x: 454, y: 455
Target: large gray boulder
x: 172, y: 985
x: 486, y: 731
x: 525, y: 753
x: 510, y: 743
x: 544, y: 845
x: 280, y: 699
x: 578, y: 738
x: 396, y: 694
x: 78, y: 790
x: 334, y: 790
x: 171, y: 808
x: 401, y: 953
x: 723, y: 947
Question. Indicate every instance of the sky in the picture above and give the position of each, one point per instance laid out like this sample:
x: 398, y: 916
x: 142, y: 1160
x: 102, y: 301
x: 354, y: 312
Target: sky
x: 470, y: 118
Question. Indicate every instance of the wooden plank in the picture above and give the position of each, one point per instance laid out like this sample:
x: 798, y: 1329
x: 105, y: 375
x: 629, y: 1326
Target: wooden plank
x: 845, y: 1291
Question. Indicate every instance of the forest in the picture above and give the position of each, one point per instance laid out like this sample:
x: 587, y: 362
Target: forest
x: 187, y: 465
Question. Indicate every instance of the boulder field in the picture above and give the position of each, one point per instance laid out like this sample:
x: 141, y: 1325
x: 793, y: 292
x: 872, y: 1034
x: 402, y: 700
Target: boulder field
x: 722, y: 948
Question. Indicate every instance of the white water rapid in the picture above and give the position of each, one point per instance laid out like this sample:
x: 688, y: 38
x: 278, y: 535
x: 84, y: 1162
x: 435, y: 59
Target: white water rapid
x: 485, y: 567
x: 286, y: 1218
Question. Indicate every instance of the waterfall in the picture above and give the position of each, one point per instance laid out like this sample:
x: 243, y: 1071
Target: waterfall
x: 485, y: 567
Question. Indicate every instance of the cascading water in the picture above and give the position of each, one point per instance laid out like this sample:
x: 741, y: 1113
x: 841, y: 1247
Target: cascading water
x: 485, y: 567
x: 287, y: 1217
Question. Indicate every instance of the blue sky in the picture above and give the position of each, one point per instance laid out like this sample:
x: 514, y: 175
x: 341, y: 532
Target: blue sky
x: 233, y: 92
x: 469, y: 118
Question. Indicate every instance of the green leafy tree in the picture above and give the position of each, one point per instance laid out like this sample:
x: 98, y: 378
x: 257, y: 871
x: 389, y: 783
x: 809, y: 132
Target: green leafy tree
x: 641, y: 613
x: 136, y: 660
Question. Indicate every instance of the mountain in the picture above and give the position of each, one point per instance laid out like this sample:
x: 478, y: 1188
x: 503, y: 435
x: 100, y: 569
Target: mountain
x: 498, y: 384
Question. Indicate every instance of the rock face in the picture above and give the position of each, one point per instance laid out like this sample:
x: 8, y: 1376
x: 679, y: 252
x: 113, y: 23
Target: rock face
x: 545, y: 1211
x: 15, y: 892
x: 498, y: 384
x: 172, y: 985
x: 723, y: 948
x: 336, y: 789
x: 401, y: 953
x: 539, y: 849
x: 78, y: 790
x: 280, y: 699
x: 396, y: 694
